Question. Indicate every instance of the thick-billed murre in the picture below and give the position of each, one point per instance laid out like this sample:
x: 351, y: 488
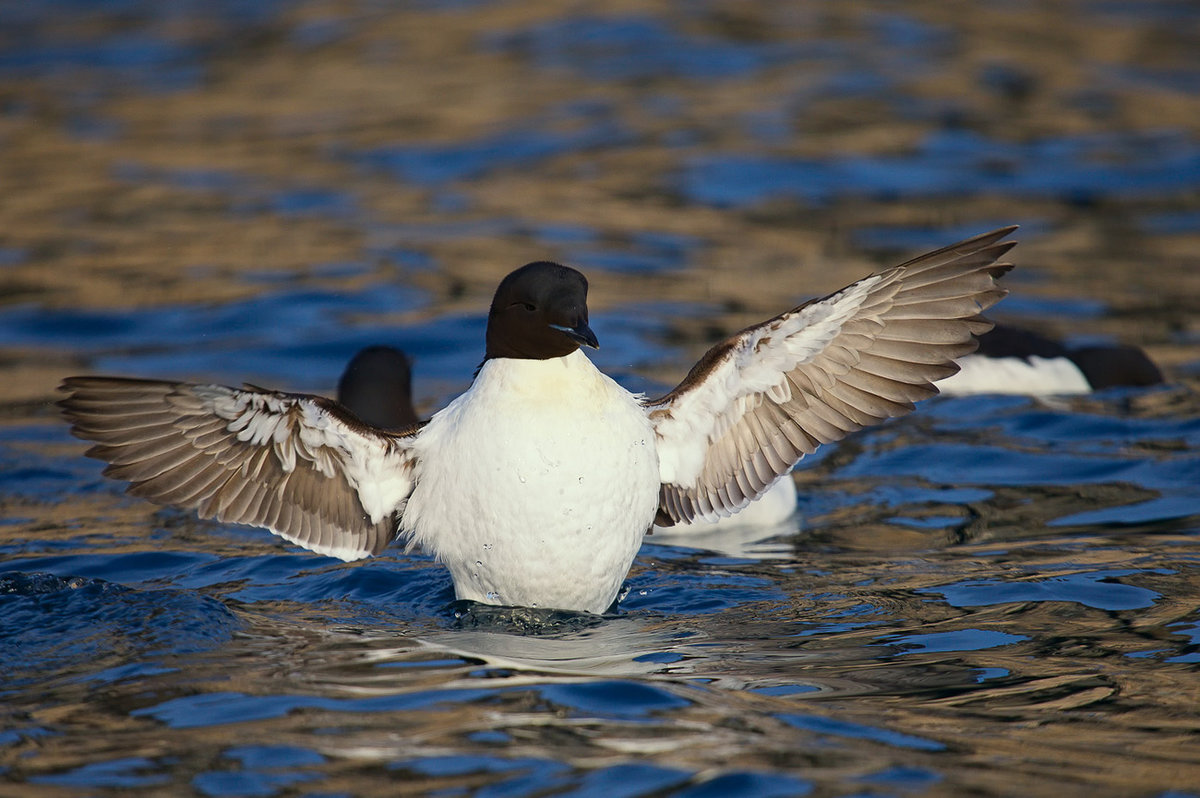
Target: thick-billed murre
x: 536, y: 486
x: 376, y: 386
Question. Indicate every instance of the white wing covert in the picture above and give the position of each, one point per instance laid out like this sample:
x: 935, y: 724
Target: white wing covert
x: 763, y: 398
x: 301, y: 466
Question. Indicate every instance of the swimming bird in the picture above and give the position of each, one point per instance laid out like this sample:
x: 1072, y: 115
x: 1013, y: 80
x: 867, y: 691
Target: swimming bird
x: 1013, y: 360
x: 376, y: 386
x: 536, y: 485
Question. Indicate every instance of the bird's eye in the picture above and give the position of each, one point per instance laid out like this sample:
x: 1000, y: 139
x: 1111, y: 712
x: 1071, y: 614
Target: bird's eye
x: 525, y: 305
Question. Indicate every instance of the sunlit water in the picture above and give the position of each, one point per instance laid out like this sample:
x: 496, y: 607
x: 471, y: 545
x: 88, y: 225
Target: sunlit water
x: 996, y: 595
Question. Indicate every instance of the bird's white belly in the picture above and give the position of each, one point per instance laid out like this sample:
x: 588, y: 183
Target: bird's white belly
x: 537, y: 498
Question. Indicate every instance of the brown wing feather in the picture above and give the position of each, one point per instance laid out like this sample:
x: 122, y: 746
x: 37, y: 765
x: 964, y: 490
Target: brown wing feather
x: 902, y: 331
x: 179, y: 444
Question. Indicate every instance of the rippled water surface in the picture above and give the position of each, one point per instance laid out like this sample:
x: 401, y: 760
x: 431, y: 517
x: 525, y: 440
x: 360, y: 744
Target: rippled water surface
x: 993, y: 596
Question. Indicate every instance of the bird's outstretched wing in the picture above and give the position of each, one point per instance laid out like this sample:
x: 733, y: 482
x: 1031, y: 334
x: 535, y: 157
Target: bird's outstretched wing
x: 299, y: 465
x: 762, y: 399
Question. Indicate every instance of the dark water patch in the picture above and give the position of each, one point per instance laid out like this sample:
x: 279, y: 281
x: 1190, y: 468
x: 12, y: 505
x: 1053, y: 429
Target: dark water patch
x: 313, y: 201
x: 1100, y: 590
x: 495, y: 775
x: 127, y: 46
x: 408, y: 583
x: 371, y: 594
x: 437, y: 164
x: 678, y: 589
x: 125, y: 773
x: 636, y: 328
x: 900, y: 495
x: 635, y: 47
x: 988, y: 674
x: 858, y: 731
x: 141, y: 58
x: 785, y: 689
x: 51, y: 626
x: 904, y: 32
x: 635, y: 252
x: 1017, y: 442
x: 988, y: 465
x: 957, y: 163
x: 1190, y: 630
x: 1188, y: 652
x: 379, y: 592
x: 247, y: 195
x: 503, y: 775
x: 760, y: 785
x: 204, y: 180
x: 1022, y: 422
x: 137, y: 567
x: 631, y: 262
x: 822, y: 630
x: 31, y: 472
x: 1181, y: 79
x: 565, y: 234
x: 903, y: 777
x: 95, y: 128
x: 406, y: 259
x: 1038, y: 307
x: 310, y: 34
x: 226, y: 708
x: 631, y: 780
x: 277, y: 316
x: 295, y: 336
x: 439, y: 231
x: 1128, y: 11
x: 905, y: 239
x: 260, y: 770
x: 36, y: 12
x: 1181, y: 506
x: 608, y: 699
x: 1170, y: 223
x: 1142, y: 466
x: 958, y: 640
x: 12, y: 256
x: 918, y: 521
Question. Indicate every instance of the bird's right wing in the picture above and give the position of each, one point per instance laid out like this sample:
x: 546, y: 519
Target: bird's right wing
x: 763, y: 398
x: 299, y: 465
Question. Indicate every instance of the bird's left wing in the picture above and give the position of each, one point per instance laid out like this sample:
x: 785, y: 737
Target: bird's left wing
x: 759, y: 401
x: 299, y: 465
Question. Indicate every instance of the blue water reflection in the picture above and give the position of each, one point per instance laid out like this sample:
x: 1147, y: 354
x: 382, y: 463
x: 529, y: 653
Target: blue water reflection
x: 625, y: 48
x: 1101, y: 590
x: 435, y: 164
x: 221, y: 708
x: 51, y: 625
x: 950, y: 163
x: 958, y: 640
x: 839, y: 728
x: 125, y: 773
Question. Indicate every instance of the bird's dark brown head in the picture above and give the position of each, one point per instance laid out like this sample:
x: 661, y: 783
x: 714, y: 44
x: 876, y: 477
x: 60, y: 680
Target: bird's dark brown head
x: 539, y: 312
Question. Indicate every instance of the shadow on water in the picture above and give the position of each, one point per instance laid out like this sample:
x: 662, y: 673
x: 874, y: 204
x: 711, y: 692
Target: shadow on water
x: 994, y: 596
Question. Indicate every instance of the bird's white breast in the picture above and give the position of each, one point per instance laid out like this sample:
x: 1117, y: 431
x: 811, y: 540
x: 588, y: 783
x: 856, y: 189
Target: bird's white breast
x: 536, y: 486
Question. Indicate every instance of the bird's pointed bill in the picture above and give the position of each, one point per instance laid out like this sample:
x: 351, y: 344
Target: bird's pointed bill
x: 581, y: 333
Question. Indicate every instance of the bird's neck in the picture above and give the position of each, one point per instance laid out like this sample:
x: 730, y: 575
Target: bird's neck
x: 558, y: 377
